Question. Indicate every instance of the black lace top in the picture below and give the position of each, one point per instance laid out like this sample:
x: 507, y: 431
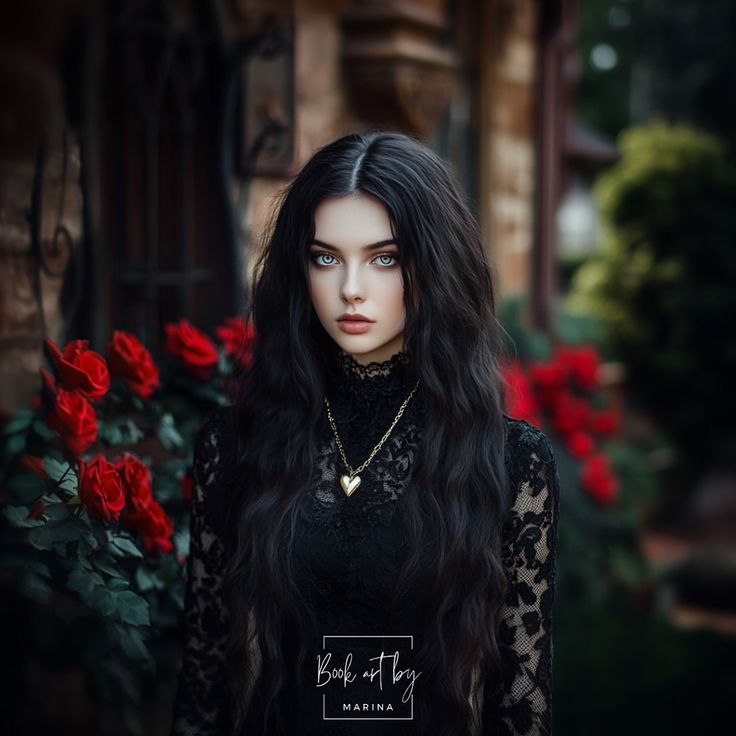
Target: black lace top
x: 352, y: 547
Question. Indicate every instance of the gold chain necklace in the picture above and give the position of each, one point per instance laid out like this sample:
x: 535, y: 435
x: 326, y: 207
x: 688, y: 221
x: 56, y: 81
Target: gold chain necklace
x: 351, y: 481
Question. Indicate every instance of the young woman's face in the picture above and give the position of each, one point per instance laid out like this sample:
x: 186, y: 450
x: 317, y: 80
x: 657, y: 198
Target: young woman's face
x: 354, y: 270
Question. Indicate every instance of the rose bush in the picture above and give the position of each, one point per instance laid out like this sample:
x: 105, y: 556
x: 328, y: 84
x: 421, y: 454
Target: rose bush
x: 95, y: 493
x: 557, y: 394
x: 553, y: 381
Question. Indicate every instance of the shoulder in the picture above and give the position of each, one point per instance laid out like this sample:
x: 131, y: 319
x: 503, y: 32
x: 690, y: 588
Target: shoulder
x: 529, y: 457
x: 523, y: 439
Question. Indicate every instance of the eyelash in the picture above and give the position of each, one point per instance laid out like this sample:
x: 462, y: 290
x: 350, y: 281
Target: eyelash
x: 315, y: 256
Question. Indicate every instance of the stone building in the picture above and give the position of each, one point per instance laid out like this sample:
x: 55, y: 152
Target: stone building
x: 142, y: 144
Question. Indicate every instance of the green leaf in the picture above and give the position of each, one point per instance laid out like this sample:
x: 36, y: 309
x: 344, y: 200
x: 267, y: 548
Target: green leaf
x: 132, y: 609
x: 117, y: 584
x: 87, y: 545
x: 168, y: 433
x: 54, y: 468
x: 144, y: 579
x: 182, y: 542
x: 131, y: 641
x: 20, y: 421
x: 67, y: 530
x: 26, y: 487
x: 124, y: 547
x: 43, y: 429
x: 39, y: 568
x: 56, y: 511
x: 18, y: 515
x: 16, y: 444
x: 177, y: 596
x: 105, y: 602
x: 147, y: 580
x: 32, y: 586
x: 107, y: 564
x: 84, y: 582
x: 61, y: 473
x: 120, y: 431
x: 166, y: 488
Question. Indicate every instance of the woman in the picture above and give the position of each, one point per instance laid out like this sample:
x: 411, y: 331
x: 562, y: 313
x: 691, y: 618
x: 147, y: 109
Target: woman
x: 373, y: 539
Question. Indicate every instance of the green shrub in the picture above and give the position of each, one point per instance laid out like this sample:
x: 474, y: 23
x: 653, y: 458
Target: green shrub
x: 664, y: 283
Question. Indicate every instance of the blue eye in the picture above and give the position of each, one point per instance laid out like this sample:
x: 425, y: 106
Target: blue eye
x: 391, y: 259
x: 317, y: 256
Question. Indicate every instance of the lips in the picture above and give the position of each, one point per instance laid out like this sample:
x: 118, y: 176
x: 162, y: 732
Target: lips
x: 353, y: 318
x: 354, y: 324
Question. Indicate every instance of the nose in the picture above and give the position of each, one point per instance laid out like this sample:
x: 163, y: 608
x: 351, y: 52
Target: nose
x: 352, y: 288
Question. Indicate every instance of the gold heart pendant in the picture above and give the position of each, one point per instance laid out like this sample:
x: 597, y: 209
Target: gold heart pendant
x: 349, y: 485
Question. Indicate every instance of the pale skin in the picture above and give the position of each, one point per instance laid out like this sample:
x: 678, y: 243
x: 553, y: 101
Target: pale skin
x: 354, y: 269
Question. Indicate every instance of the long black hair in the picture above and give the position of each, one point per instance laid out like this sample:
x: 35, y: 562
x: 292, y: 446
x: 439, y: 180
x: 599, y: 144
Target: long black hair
x: 452, y: 337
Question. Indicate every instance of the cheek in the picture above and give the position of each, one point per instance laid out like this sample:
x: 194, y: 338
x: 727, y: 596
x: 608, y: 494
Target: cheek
x: 397, y: 299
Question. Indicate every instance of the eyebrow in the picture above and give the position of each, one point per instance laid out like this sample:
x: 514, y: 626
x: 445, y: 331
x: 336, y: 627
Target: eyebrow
x: 371, y: 246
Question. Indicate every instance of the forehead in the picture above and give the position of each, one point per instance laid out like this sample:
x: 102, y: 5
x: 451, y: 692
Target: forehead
x: 352, y: 220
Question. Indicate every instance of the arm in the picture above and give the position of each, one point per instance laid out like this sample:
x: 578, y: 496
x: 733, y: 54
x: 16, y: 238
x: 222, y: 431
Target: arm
x: 520, y: 704
x: 199, y: 706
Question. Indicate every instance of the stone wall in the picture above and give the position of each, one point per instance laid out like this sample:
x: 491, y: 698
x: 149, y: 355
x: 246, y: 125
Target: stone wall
x: 505, y: 33
x: 30, y: 293
x: 508, y: 80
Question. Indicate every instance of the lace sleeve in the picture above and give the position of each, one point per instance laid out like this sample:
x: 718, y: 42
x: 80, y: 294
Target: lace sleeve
x: 521, y: 704
x: 199, y: 705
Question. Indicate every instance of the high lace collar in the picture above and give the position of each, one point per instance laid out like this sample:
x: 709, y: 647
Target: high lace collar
x: 351, y: 368
x: 374, y: 381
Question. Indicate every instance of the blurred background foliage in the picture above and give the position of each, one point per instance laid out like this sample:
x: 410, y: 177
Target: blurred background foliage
x: 656, y: 295
x: 641, y: 58
x: 663, y: 281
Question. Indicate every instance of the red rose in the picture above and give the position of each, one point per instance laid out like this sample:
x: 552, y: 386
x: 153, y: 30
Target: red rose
x: 133, y: 362
x: 101, y: 488
x: 520, y: 402
x: 186, y: 483
x: 549, y: 380
x: 80, y: 369
x: 237, y: 336
x: 582, y: 362
x: 570, y: 413
x: 192, y: 347
x: 580, y: 444
x: 598, y: 480
x: 605, y: 422
x: 136, y: 480
x: 74, y: 418
x: 153, y: 526
x: 562, y: 415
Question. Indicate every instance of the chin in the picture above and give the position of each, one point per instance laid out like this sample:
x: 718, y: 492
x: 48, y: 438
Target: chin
x: 357, y: 346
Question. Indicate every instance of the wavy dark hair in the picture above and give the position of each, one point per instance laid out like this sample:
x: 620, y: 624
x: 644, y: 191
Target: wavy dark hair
x: 453, y: 339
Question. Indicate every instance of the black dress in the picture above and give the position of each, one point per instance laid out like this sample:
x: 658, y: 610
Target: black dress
x: 350, y: 549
